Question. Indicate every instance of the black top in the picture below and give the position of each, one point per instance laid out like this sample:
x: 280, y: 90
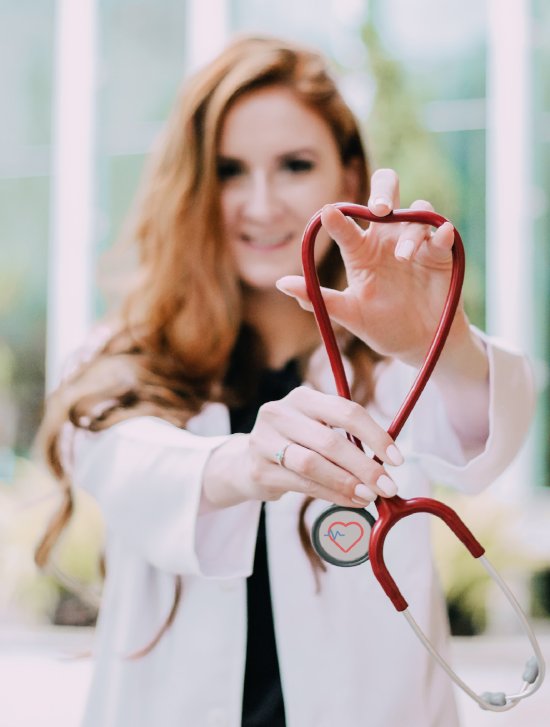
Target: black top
x: 263, y: 704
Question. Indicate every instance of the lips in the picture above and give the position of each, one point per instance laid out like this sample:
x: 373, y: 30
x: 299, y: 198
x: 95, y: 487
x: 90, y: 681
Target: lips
x: 266, y: 242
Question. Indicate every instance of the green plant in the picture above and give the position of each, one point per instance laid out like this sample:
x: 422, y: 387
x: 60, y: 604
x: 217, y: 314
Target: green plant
x: 26, y: 505
x: 465, y: 582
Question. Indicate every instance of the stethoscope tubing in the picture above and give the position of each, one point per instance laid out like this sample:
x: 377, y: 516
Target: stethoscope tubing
x: 325, y: 325
x: 392, y: 509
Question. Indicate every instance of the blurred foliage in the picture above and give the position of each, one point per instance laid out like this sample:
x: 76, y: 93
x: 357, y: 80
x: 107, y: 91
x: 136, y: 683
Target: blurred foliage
x: 26, y: 40
x: 541, y: 211
x: 8, y: 412
x: 23, y: 266
x: 398, y: 137
x: 26, y: 505
x: 540, y: 593
x: 466, y: 584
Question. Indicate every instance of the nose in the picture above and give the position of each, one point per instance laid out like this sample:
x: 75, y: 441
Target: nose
x: 261, y: 201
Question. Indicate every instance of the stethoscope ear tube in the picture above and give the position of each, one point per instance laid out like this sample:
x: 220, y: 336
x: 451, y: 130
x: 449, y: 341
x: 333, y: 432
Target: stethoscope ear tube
x: 338, y: 532
x: 533, y: 673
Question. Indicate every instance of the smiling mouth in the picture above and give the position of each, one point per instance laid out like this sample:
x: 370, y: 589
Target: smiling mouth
x: 268, y: 242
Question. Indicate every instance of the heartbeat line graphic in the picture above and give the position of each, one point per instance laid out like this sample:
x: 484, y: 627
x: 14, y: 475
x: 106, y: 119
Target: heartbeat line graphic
x: 333, y: 535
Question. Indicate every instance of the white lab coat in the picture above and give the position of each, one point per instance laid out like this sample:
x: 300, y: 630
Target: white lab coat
x: 346, y: 656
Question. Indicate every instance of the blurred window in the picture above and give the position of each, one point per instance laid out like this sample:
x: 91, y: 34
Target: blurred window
x: 418, y: 87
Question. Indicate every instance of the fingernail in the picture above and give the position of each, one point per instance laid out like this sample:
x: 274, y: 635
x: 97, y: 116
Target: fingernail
x: 394, y: 455
x: 382, y: 202
x: 365, y: 493
x: 281, y: 286
x: 385, y: 485
x: 404, y: 249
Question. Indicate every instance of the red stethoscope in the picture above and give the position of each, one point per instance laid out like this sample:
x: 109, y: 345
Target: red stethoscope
x: 348, y: 536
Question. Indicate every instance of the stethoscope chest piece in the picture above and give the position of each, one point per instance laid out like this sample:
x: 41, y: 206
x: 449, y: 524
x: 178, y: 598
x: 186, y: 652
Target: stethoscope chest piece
x: 341, y: 535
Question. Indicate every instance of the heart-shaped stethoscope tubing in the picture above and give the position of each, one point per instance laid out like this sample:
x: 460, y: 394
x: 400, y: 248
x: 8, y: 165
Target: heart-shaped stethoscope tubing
x: 391, y: 510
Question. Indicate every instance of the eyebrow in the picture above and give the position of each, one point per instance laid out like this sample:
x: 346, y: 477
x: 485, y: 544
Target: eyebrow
x: 305, y: 150
x: 301, y: 150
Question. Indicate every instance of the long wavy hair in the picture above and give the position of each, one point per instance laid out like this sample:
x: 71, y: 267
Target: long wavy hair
x: 179, y: 324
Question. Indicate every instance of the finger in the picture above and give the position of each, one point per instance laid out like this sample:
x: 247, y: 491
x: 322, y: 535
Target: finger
x: 322, y: 478
x: 384, y: 193
x: 440, y: 245
x: 327, y: 457
x: 344, y: 230
x: 310, y: 418
x: 297, y: 483
x: 336, y: 302
x: 422, y: 204
x: 340, y: 413
x: 295, y: 287
x: 413, y: 234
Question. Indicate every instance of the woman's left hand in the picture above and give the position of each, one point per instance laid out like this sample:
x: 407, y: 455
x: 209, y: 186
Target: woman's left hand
x: 398, y: 276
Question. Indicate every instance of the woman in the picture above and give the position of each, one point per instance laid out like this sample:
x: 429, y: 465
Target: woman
x: 209, y: 395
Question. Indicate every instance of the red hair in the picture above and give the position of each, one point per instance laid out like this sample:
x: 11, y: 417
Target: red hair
x: 178, y: 324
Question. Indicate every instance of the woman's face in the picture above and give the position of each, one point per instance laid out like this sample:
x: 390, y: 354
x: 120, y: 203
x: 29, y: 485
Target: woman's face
x: 278, y: 164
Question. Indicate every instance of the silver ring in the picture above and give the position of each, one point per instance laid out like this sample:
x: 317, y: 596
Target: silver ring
x: 280, y: 455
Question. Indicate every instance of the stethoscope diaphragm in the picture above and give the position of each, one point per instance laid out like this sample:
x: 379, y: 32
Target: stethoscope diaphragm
x: 341, y: 535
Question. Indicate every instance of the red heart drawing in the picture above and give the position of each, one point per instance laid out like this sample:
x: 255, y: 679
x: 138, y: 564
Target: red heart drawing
x: 345, y: 525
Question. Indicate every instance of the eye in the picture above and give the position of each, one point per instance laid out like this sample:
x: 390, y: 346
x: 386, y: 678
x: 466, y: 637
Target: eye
x: 228, y: 169
x: 297, y: 165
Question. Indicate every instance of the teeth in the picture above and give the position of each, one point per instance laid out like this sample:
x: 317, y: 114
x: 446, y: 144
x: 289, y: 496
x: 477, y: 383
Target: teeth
x: 266, y: 241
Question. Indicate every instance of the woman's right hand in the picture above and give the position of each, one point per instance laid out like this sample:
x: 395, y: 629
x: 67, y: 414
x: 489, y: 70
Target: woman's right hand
x: 318, y: 461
